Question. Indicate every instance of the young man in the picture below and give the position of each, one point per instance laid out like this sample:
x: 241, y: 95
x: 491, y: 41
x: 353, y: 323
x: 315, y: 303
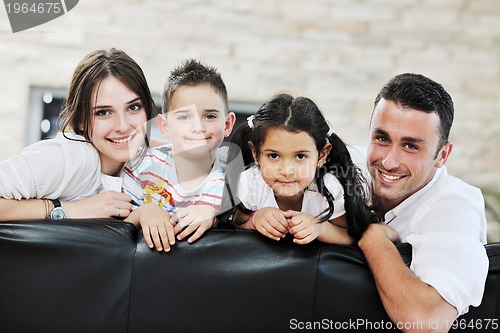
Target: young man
x: 442, y: 217
x: 186, y: 178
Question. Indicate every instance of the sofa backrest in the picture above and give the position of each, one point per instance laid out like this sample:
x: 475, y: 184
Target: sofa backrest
x: 99, y: 276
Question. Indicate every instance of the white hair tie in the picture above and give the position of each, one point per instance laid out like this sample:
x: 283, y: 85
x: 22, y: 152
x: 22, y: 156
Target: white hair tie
x: 330, y: 131
x: 250, y: 121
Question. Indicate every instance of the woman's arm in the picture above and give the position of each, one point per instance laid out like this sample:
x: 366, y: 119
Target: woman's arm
x: 102, y: 205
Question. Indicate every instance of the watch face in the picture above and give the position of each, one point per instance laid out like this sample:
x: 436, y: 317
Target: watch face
x: 58, y: 213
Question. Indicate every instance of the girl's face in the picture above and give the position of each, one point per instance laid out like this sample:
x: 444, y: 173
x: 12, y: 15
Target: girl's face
x: 288, y: 161
x: 118, y: 118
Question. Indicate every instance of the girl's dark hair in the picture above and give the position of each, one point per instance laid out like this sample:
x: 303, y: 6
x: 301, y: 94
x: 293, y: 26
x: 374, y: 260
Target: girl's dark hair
x: 302, y: 115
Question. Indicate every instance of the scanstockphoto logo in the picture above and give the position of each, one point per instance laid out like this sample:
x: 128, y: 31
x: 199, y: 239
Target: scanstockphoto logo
x: 26, y: 14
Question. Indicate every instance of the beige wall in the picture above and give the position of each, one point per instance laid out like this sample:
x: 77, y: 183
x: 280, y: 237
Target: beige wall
x: 337, y: 52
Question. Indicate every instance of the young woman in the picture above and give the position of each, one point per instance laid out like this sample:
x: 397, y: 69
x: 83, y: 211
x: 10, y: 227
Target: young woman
x: 301, y: 178
x: 75, y: 175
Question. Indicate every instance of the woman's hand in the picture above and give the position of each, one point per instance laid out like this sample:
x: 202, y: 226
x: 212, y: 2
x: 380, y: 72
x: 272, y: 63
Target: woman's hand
x: 156, y: 226
x: 194, y: 218
x: 102, y: 205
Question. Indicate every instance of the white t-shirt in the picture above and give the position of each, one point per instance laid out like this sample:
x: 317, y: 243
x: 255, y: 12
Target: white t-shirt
x: 255, y: 194
x: 446, y: 225
x: 55, y: 168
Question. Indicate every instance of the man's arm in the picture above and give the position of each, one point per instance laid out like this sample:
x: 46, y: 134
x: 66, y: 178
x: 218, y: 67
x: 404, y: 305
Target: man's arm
x: 407, y: 300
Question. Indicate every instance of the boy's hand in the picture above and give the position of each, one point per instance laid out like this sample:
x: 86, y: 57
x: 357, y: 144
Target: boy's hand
x: 195, y: 218
x: 304, y: 227
x: 156, y: 227
x: 271, y: 222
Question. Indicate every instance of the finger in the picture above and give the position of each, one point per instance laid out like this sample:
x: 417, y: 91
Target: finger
x: 269, y: 231
x: 162, y: 232
x: 305, y: 240
x: 187, y: 231
x: 156, y: 238
x: 147, y: 237
x: 291, y: 213
x: 279, y: 223
x: 199, y: 232
x: 170, y: 233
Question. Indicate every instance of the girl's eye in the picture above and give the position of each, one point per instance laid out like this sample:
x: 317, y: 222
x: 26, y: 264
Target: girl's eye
x: 273, y: 156
x: 301, y: 156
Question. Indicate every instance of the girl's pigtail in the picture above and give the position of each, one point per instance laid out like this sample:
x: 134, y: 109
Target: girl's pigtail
x: 240, y: 138
x: 339, y: 163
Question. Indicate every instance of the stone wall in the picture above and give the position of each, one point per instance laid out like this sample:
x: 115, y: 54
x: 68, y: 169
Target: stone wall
x: 337, y: 52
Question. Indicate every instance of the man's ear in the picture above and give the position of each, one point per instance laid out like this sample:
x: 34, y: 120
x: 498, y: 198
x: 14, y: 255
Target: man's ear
x: 254, y: 152
x: 443, y: 155
x: 228, y: 126
x: 161, y: 122
x: 323, y: 154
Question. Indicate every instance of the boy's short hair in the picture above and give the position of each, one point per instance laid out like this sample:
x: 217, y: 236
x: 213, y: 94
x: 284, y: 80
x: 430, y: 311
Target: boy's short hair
x: 193, y: 73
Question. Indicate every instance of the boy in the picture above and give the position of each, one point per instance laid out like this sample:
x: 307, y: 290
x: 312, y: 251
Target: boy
x: 185, y: 178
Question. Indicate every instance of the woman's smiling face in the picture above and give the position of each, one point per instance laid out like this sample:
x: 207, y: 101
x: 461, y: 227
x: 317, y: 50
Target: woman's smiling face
x: 118, y: 116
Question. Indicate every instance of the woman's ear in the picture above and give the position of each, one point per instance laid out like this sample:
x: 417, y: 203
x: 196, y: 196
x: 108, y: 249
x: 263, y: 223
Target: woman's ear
x: 323, y: 154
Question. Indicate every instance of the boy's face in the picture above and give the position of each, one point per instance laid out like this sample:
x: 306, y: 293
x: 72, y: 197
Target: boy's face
x: 197, y: 121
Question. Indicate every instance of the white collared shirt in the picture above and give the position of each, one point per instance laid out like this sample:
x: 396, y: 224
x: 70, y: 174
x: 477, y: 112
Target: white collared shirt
x: 446, y: 225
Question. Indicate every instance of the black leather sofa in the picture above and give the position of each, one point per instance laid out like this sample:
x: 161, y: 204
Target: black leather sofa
x: 98, y: 275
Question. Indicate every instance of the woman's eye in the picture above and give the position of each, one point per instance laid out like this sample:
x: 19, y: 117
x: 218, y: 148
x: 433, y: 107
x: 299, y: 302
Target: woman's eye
x: 135, y: 107
x: 102, y: 113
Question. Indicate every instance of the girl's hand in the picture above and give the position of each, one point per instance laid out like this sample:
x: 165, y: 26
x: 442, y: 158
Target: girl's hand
x: 194, y: 218
x: 102, y: 205
x: 156, y: 227
x: 271, y: 222
x: 304, y: 227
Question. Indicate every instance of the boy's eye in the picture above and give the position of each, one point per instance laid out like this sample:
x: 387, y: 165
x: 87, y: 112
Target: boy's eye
x: 211, y: 116
x: 183, y: 117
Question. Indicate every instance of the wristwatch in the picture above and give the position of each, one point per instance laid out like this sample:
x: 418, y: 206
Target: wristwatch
x: 58, y: 212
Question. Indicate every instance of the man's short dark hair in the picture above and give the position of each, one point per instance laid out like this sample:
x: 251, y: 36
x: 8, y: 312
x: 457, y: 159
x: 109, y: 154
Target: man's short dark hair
x: 418, y: 92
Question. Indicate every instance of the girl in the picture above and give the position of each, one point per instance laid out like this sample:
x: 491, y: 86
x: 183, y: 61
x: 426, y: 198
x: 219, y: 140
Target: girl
x: 108, y: 102
x: 303, y: 180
